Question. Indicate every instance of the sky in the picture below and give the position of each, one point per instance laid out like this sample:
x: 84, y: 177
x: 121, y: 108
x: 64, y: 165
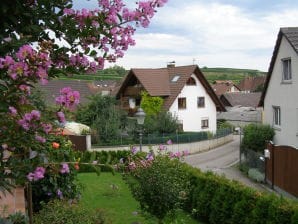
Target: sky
x: 213, y: 33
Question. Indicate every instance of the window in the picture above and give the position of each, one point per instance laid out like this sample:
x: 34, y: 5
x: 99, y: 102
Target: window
x: 182, y: 103
x: 287, y: 70
x: 205, y: 123
x: 191, y: 82
x: 201, y: 102
x: 175, y: 78
x: 276, y: 116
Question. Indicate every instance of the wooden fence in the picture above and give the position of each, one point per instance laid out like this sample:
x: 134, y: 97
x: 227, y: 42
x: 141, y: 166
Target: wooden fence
x: 282, y: 168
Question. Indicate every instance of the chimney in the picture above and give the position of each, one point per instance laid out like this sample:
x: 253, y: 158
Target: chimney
x: 171, y: 64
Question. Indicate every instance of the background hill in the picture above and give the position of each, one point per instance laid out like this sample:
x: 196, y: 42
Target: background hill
x: 211, y: 74
x: 234, y: 74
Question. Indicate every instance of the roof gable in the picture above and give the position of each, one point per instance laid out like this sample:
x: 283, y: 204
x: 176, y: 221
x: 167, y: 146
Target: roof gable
x: 158, y: 82
x: 155, y: 81
x: 291, y: 34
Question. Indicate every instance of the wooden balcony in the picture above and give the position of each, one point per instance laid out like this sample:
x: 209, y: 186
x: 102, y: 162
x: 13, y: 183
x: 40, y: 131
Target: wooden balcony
x: 133, y: 91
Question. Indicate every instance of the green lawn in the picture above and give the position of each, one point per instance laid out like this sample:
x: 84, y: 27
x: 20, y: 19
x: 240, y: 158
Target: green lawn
x: 111, y: 194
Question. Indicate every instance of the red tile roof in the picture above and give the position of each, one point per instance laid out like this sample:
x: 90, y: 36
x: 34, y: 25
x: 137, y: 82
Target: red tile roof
x: 158, y: 82
x: 251, y: 83
x: 223, y: 87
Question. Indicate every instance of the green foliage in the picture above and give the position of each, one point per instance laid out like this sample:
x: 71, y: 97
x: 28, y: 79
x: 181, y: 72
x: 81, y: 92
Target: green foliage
x: 236, y: 75
x: 114, y: 70
x: 54, y: 181
x: 161, y: 187
x: 102, y: 157
x: 151, y: 104
x: 61, y: 212
x: 101, y: 115
x: 256, y: 135
x: 256, y: 175
x: 222, y: 124
x: 212, y: 198
x: 161, y: 123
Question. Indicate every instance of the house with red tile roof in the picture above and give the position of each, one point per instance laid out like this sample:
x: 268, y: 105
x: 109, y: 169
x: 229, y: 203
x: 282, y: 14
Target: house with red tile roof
x: 185, y: 91
x: 224, y: 86
x: 86, y: 88
x: 280, y: 94
x: 252, y: 84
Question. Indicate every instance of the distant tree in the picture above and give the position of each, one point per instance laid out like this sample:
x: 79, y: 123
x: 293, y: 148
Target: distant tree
x: 101, y: 115
x: 115, y: 70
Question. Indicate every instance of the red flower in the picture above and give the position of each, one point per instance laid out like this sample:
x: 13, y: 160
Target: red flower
x: 55, y: 145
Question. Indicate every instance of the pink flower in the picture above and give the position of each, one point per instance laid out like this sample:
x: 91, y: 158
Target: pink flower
x: 132, y: 166
x: 61, y: 117
x: 37, y: 174
x: 24, y: 52
x: 65, y: 168
x: 12, y: 111
x: 149, y: 157
x: 47, y: 128
x: 169, y: 142
x: 68, y: 98
x: 40, y: 139
x: 134, y: 150
x: 185, y: 153
x: 162, y: 147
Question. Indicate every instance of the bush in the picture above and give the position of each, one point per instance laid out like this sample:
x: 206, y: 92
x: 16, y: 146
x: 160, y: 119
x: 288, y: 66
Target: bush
x: 256, y: 175
x: 256, y: 135
x: 162, y: 187
x: 61, y: 212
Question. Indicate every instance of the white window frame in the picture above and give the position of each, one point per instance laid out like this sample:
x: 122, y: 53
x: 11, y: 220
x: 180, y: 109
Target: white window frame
x: 276, y: 116
x: 286, y: 69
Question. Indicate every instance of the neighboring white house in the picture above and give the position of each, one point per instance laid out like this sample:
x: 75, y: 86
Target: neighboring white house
x: 280, y: 95
x: 185, y: 91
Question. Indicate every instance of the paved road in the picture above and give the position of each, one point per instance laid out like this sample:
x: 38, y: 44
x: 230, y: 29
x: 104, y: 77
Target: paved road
x: 221, y: 157
x: 221, y: 161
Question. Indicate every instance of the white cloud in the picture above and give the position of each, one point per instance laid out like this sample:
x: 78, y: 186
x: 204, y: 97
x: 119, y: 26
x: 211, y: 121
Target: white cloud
x: 216, y: 34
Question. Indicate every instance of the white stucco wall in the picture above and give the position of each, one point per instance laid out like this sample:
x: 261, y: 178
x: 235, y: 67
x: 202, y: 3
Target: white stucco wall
x: 284, y: 95
x: 192, y: 115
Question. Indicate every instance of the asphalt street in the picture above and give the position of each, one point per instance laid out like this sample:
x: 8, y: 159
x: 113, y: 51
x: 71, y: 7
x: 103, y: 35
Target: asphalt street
x: 222, y: 160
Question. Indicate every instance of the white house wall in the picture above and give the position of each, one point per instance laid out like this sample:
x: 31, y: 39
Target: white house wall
x: 192, y: 115
x: 285, y: 96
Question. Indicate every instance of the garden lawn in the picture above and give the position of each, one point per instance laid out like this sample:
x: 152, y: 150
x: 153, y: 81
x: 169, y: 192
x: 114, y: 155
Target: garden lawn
x: 111, y: 194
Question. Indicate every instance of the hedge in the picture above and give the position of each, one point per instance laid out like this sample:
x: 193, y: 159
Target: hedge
x: 216, y: 199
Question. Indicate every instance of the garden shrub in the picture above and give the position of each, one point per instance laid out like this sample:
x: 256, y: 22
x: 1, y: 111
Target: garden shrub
x: 256, y: 135
x: 244, y: 206
x: 223, y: 202
x: 218, y: 200
x: 280, y: 211
x: 161, y: 187
x: 256, y: 175
x: 202, y: 196
x: 209, y: 197
x: 61, y: 212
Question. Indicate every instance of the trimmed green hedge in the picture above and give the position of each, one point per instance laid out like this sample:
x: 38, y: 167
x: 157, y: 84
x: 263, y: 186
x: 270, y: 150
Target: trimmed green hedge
x: 216, y: 199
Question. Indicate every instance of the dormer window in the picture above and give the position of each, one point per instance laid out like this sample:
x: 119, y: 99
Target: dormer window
x: 175, y: 78
x: 191, y: 82
x: 287, y: 69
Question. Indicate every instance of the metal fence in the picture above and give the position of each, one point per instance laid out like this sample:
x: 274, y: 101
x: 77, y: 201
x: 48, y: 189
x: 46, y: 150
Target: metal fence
x: 253, y: 163
x: 176, y: 138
